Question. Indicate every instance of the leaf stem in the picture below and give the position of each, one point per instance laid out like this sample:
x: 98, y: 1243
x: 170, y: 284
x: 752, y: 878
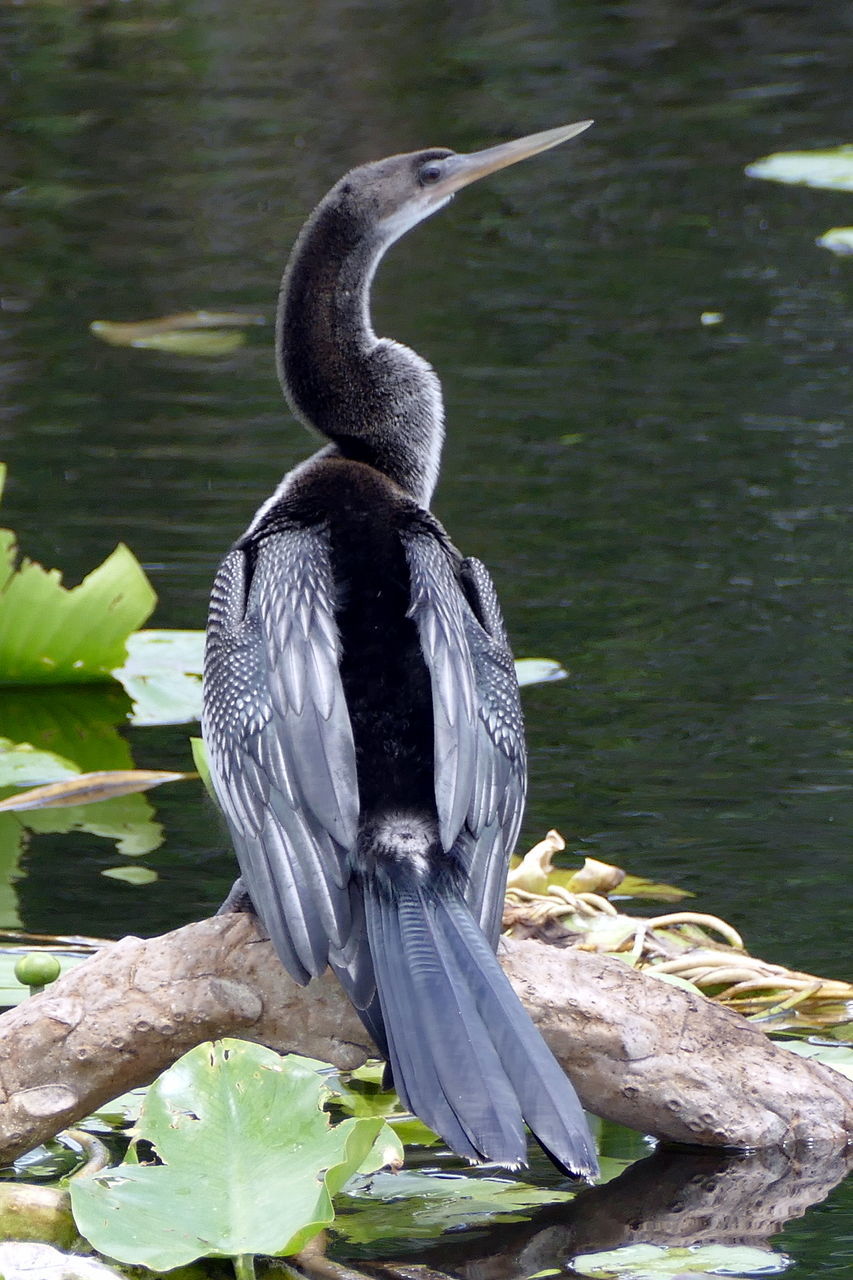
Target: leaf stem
x: 244, y: 1266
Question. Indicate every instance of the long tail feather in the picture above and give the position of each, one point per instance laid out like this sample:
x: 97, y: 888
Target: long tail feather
x: 465, y: 1056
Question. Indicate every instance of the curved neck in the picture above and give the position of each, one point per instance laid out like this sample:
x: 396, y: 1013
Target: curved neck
x: 376, y: 400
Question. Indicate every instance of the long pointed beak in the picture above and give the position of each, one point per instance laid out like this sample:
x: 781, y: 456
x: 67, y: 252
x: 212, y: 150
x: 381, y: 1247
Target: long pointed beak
x: 460, y: 170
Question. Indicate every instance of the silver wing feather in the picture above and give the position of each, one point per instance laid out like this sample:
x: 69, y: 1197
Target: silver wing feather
x: 280, y: 743
x: 480, y: 759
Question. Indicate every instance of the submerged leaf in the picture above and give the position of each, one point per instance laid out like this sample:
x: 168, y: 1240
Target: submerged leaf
x: 640, y: 887
x: 831, y: 169
x: 194, y: 333
x: 90, y: 788
x: 253, y: 1123
x: 838, y: 240
x: 131, y: 875
x: 538, y: 671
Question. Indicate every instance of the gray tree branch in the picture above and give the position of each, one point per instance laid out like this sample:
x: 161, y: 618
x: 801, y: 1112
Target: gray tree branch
x: 640, y: 1051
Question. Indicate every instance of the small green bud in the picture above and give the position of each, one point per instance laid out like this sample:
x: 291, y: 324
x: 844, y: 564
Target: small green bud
x: 37, y: 969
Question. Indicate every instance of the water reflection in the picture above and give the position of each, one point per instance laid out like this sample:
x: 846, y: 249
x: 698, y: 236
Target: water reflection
x: 675, y: 1198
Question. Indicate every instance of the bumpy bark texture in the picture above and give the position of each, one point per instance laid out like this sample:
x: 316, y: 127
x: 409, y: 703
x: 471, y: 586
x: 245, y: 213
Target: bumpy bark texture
x: 639, y: 1051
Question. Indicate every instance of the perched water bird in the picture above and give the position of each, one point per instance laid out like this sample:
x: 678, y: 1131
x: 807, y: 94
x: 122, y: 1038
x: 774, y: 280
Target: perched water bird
x: 361, y: 710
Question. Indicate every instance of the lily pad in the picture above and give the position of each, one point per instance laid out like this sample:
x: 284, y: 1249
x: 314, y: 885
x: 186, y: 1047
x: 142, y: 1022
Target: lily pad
x: 250, y: 1162
x: 162, y: 675
x: 52, y: 635
x: 421, y: 1206
x: 23, y: 765
x: 652, y: 1262
x: 831, y: 169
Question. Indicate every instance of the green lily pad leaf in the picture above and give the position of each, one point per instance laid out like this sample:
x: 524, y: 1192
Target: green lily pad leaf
x: 49, y: 634
x: 838, y: 240
x: 131, y: 875
x: 250, y: 1162
x: 12, y: 992
x: 23, y: 765
x: 832, y: 169
x: 651, y: 1262
x: 189, y: 332
x: 90, y: 788
x: 162, y: 674
x: 538, y: 671
x: 837, y: 1056
x: 421, y: 1206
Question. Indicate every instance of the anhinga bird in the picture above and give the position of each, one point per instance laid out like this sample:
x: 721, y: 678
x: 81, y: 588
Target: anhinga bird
x: 361, y: 710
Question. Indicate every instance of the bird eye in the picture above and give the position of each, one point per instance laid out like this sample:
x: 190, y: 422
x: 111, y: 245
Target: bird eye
x: 429, y: 172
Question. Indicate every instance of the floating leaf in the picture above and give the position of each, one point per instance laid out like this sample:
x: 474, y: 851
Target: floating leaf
x: 49, y: 634
x: 538, y: 671
x: 23, y: 765
x: 90, y: 788
x: 832, y: 169
x: 652, y: 1262
x: 420, y: 1206
x: 838, y: 240
x: 151, y: 651
x: 253, y: 1123
x: 162, y: 674
x: 131, y: 875
x: 190, y: 333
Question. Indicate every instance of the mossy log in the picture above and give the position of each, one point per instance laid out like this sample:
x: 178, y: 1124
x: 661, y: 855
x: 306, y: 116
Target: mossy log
x: 640, y: 1051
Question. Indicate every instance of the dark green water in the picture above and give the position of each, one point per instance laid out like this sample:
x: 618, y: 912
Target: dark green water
x: 665, y: 505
